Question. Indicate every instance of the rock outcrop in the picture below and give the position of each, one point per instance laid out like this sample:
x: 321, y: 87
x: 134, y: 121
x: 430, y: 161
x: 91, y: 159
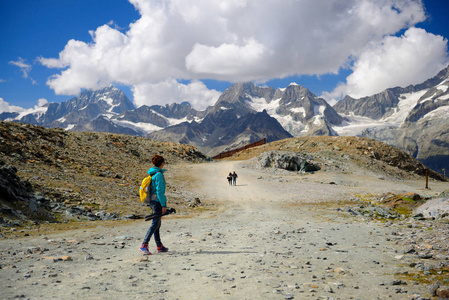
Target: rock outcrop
x: 289, y: 161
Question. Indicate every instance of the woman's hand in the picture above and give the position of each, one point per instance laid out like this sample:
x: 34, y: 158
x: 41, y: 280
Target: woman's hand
x: 164, y: 210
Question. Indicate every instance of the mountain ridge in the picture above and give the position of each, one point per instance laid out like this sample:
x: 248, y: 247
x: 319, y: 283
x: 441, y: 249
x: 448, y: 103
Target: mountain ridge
x: 397, y: 116
x: 81, y: 175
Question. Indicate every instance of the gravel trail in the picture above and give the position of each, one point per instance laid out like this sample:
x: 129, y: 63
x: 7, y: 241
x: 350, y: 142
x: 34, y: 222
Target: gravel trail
x: 275, y: 235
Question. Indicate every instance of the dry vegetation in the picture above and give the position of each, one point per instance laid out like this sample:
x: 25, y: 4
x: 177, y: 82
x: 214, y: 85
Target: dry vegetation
x: 336, y: 152
x: 100, y: 171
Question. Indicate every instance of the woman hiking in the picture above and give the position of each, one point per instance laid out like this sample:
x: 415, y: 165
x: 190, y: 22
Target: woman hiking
x: 157, y: 200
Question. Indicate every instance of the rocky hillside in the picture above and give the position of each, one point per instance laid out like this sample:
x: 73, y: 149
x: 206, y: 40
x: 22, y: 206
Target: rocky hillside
x: 56, y: 175
x: 348, y: 154
x: 76, y: 175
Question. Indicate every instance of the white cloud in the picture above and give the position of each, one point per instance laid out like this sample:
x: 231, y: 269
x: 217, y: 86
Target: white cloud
x: 25, y: 68
x: 41, y: 102
x: 232, y: 40
x: 6, y: 107
x: 395, y: 61
x: 170, y: 91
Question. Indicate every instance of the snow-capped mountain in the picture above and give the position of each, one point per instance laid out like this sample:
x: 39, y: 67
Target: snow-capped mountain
x: 245, y: 113
x: 223, y: 130
x: 146, y: 119
x: 414, y: 119
x: 105, y: 110
x: 298, y: 110
x: 77, y: 111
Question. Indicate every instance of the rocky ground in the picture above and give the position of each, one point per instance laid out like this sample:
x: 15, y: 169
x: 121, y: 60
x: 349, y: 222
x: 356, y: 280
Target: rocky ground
x: 276, y: 235
x: 350, y: 230
x: 347, y: 154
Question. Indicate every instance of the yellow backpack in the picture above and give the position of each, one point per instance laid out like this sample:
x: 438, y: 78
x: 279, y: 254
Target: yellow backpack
x: 144, y: 186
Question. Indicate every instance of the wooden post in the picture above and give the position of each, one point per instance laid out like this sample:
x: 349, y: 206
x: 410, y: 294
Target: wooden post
x: 427, y: 179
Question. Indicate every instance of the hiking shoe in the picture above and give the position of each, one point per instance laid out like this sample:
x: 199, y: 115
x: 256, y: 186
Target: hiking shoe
x: 162, y: 249
x: 144, y: 249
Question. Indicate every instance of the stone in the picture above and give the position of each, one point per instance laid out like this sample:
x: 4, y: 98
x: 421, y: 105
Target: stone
x: 397, y: 282
x: 66, y: 258
x: 443, y: 292
x: 410, y: 250
x: 426, y: 256
x: 340, y: 271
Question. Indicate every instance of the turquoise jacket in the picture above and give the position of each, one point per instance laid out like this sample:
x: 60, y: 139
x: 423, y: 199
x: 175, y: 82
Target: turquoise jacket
x: 158, y: 185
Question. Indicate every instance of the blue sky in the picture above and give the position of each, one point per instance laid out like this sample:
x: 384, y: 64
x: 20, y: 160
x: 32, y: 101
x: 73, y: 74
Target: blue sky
x: 176, y: 50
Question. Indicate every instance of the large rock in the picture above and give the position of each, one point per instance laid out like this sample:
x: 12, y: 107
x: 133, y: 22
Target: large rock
x: 435, y: 208
x: 18, y: 202
x: 286, y: 160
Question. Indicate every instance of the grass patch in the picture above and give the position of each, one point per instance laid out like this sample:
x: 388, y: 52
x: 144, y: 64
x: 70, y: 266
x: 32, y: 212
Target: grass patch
x: 403, y: 210
x: 434, y: 276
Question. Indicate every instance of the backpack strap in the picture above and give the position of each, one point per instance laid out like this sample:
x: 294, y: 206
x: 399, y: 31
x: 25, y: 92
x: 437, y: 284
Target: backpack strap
x: 150, y: 194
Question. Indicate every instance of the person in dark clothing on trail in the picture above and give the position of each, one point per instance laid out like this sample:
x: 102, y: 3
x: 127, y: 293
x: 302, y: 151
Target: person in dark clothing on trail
x: 234, y: 178
x: 230, y: 178
x: 157, y: 200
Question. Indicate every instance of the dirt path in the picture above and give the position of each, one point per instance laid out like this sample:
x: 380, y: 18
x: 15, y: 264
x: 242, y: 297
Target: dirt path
x: 273, y: 236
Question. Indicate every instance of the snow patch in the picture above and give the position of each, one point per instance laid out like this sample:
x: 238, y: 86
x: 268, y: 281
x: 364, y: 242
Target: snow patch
x: 441, y: 112
x: 174, y: 121
x: 317, y: 120
x: 298, y: 110
x: 139, y: 126
x: 319, y: 110
x: 444, y: 97
x: 357, y: 124
x: 442, y: 88
x: 38, y: 111
x: 260, y: 104
x: 108, y: 100
x: 406, y: 103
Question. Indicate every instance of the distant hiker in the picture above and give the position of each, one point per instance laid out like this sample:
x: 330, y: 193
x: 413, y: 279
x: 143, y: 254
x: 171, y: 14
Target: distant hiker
x: 234, y: 177
x: 230, y: 178
x: 157, y: 200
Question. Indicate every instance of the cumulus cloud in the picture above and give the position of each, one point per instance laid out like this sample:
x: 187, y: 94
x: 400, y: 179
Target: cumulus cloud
x: 395, y: 61
x: 6, y: 107
x: 231, y: 40
x: 41, y: 102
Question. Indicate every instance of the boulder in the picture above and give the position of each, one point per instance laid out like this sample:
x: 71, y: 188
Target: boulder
x: 286, y: 160
x: 436, y: 208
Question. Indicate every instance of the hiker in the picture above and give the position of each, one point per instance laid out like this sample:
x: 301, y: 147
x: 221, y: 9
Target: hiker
x: 234, y: 177
x: 230, y: 178
x: 157, y: 200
